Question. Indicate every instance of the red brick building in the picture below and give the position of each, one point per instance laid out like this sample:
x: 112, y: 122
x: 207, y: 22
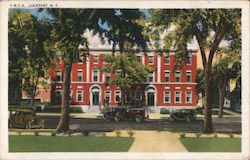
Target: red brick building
x: 165, y: 88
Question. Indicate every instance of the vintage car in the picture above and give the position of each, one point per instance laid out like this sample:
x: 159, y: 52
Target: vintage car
x: 110, y: 112
x: 24, y: 118
x: 137, y: 114
x: 183, y: 114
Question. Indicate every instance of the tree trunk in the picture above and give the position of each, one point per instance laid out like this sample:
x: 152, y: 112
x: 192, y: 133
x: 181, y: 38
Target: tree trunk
x: 208, y: 125
x: 63, y: 125
x: 222, y: 89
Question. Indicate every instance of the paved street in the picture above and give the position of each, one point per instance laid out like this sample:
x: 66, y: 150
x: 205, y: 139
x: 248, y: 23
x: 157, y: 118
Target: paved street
x: 90, y: 124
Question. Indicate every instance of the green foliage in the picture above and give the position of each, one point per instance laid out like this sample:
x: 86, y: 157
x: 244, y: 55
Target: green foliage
x: 29, y: 54
x: 212, y: 144
x: 164, y: 111
x: 53, y: 109
x: 131, y: 70
x: 69, y: 144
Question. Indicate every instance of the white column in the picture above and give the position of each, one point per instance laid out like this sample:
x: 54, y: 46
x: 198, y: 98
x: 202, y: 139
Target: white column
x: 142, y: 58
x: 87, y: 70
x: 158, y: 68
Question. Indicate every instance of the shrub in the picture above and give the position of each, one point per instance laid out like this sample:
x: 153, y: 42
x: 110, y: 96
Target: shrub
x: 215, y: 135
x: 56, y: 109
x: 131, y: 133
x: 118, y: 133
x: 182, y: 135
x: 164, y: 111
x: 199, y: 110
x: 198, y: 135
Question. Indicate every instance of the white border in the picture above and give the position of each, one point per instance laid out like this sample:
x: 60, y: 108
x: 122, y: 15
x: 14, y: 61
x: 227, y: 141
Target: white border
x: 126, y: 4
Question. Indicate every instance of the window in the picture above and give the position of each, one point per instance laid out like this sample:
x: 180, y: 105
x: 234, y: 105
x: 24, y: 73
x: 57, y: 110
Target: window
x: 189, y: 59
x: 167, y: 59
x: 151, y: 59
x: 107, y: 77
x: 79, y: 96
x: 127, y: 96
x: 177, y: 97
x: 178, y: 76
x: 58, y: 75
x: 188, y: 97
x: 151, y: 77
x: 167, y: 97
x: 79, y: 75
x: 138, y: 58
x: 188, y: 76
x: 95, y: 75
x: 167, y: 76
x: 117, y: 96
x: 138, y: 95
x: 58, y: 95
x: 95, y: 59
x: 70, y: 96
x: 118, y: 73
x: 107, y: 96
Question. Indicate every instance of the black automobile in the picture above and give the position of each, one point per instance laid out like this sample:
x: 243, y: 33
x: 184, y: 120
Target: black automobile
x: 183, y: 114
x: 110, y: 112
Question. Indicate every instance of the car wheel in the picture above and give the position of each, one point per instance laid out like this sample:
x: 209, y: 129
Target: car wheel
x: 28, y: 126
x: 138, y: 118
x: 171, y: 118
x: 117, y: 118
x: 105, y: 117
x: 188, y: 118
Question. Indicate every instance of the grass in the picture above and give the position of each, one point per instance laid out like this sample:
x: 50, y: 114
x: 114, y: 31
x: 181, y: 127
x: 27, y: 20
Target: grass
x: 203, y: 144
x: 69, y: 144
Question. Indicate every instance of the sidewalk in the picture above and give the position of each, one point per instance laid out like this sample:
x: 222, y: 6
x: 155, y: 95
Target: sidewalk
x: 154, y: 141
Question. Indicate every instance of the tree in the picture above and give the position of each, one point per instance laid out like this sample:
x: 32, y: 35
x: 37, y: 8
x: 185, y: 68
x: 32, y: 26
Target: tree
x: 209, y: 27
x: 29, y: 59
x: 131, y: 71
x: 69, y: 27
x: 228, y: 68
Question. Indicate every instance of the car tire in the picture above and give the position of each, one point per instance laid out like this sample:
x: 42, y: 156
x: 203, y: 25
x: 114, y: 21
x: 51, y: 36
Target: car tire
x: 171, y: 118
x: 138, y: 118
x: 28, y: 126
x: 117, y: 118
x: 188, y: 118
x: 105, y: 117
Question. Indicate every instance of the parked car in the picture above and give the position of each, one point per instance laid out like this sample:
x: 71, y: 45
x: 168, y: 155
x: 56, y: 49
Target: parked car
x: 110, y: 112
x: 24, y: 118
x: 183, y: 114
x: 137, y: 114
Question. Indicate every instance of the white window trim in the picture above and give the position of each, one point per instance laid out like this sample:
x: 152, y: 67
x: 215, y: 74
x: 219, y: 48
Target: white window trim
x: 98, y: 76
x: 176, y: 76
x: 82, y: 93
x: 175, y: 97
x: 59, y: 75
x: 80, y: 70
x: 165, y: 96
x: 126, y: 96
x: 119, y: 95
x: 190, y: 72
x: 153, y: 73
x: 191, y: 98
x: 149, y: 60
x: 105, y: 75
x: 165, y: 73
x: 105, y: 95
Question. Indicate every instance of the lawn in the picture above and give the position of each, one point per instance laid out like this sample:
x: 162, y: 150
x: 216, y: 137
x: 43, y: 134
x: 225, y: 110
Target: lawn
x: 212, y: 144
x: 69, y: 144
